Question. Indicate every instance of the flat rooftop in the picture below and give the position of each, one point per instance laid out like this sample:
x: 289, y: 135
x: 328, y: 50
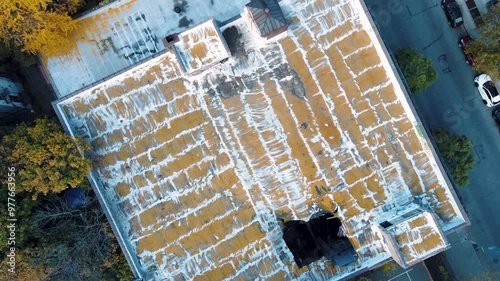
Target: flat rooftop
x: 201, y: 47
x: 418, y: 236
x: 124, y: 33
x: 199, y: 171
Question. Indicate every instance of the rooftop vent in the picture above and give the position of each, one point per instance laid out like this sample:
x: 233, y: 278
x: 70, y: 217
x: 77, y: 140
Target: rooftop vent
x: 170, y: 40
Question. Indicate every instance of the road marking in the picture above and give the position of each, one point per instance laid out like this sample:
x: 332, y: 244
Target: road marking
x: 406, y: 272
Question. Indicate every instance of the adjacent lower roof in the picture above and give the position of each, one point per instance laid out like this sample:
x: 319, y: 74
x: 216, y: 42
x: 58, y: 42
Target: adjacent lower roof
x: 418, y: 237
x: 122, y: 34
x: 198, y: 172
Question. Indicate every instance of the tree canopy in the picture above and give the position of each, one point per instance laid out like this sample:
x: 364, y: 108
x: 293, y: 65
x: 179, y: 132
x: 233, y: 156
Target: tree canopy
x: 54, y: 241
x: 37, y: 25
x: 76, y: 244
x: 486, y: 49
x: 457, y: 152
x: 25, y: 229
x: 46, y: 158
x: 417, y: 70
x: 66, y: 244
x: 28, y: 267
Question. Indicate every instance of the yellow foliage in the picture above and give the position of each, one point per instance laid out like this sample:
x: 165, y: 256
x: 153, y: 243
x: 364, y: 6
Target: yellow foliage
x: 486, y: 49
x: 47, y: 159
x: 26, y: 268
x: 36, y: 26
x: 389, y: 267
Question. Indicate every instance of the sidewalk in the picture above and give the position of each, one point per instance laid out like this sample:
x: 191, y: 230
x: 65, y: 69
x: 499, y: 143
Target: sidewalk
x: 469, y: 24
x: 461, y: 259
x: 418, y: 272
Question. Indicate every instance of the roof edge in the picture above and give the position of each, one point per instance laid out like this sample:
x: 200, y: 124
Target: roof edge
x: 131, y: 259
x: 411, y: 111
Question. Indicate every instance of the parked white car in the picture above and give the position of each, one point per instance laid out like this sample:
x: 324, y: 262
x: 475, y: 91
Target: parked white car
x: 488, y: 90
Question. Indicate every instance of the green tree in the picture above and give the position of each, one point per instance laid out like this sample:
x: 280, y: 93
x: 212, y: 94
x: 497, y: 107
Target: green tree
x: 457, y: 152
x: 47, y: 159
x: 418, y: 70
x: 486, y: 49
x: 37, y: 25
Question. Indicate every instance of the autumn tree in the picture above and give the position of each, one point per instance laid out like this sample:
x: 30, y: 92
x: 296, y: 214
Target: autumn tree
x: 36, y: 26
x: 76, y: 244
x: 389, y: 267
x: 25, y: 229
x: 46, y: 159
x: 16, y: 56
x: 418, y: 70
x: 28, y: 267
x: 486, y: 49
x: 457, y: 152
x: 120, y: 271
x: 23, y: 211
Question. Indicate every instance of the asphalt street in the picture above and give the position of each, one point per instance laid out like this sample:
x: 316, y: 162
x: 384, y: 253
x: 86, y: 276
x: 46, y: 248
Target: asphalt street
x: 454, y: 104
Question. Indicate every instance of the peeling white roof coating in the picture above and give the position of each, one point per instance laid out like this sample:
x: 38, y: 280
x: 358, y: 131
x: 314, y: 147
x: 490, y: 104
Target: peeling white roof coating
x: 418, y: 237
x: 198, y: 171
